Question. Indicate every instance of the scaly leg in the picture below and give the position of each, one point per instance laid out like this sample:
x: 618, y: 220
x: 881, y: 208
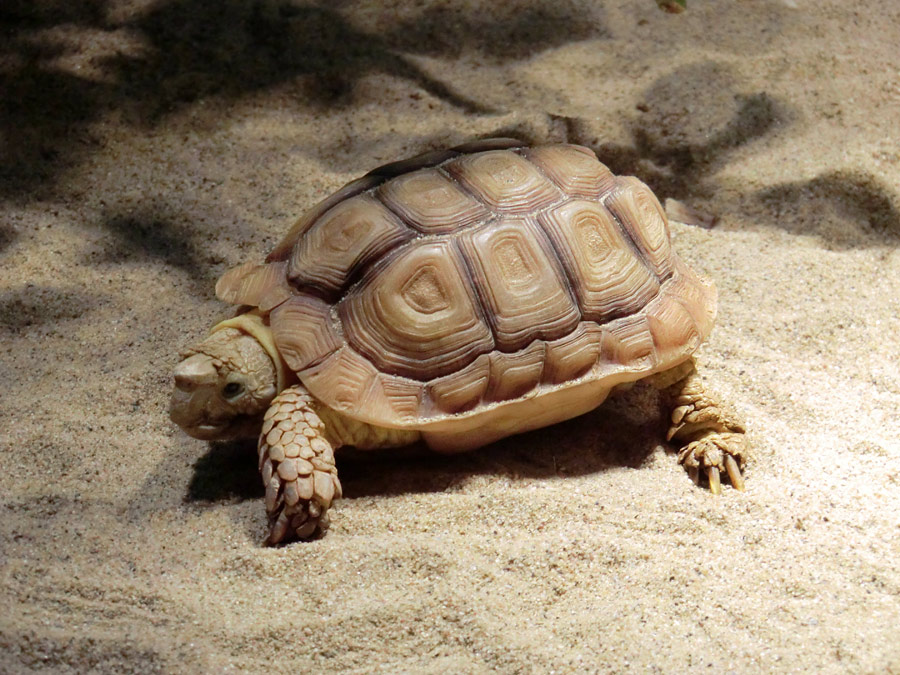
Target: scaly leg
x: 296, y: 458
x: 711, y: 436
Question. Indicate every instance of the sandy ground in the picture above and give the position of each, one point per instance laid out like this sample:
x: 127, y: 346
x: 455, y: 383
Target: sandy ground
x: 148, y: 146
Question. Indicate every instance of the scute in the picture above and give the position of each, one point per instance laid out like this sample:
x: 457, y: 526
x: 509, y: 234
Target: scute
x: 258, y: 285
x: 417, y: 315
x: 640, y: 213
x: 459, y: 288
x: 431, y: 202
x: 628, y: 343
x: 515, y: 374
x: 344, y: 380
x: 304, y: 331
x: 295, y: 234
x: 571, y: 356
x: 608, y: 276
x: 574, y: 168
x: 505, y: 181
x: 463, y: 389
x: 342, y: 240
x: 523, y: 289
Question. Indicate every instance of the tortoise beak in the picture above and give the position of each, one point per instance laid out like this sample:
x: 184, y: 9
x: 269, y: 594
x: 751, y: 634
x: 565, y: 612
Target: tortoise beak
x: 195, y: 371
x: 195, y: 377
x: 208, y: 432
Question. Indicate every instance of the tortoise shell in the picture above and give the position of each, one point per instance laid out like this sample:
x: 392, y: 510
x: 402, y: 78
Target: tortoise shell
x: 458, y: 283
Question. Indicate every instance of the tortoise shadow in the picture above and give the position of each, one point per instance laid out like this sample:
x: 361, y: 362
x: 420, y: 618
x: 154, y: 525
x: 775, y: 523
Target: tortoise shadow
x: 612, y: 436
x: 227, y: 472
x: 593, y: 443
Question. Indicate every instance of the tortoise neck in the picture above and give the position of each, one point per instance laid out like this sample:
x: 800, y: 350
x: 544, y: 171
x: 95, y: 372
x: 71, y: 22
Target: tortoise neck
x: 254, y: 323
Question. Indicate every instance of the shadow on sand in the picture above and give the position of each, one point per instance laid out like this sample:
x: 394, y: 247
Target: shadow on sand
x: 180, y: 51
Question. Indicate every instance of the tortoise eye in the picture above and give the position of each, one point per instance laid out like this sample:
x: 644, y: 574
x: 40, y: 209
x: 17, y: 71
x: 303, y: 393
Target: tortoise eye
x: 232, y: 389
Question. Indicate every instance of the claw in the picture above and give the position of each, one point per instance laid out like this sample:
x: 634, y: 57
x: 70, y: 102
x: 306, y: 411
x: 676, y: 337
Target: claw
x: 694, y: 473
x: 734, y: 473
x: 279, y: 529
x: 306, y: 530
x: 715, y: 485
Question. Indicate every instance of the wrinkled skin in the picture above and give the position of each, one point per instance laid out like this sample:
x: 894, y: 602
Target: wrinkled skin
x: 223, y: 386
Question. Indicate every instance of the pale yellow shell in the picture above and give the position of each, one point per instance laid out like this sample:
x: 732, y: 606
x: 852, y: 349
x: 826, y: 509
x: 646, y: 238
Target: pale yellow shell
x: 449, y: 285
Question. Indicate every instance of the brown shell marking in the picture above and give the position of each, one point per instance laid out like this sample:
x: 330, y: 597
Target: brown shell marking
x: 375, y: 178
x: 286, y: 245
x: 463, y: 389
x: 627, y: 342
x: 573, y: 168
x: 342, y: 380
x: 515, y: 374
x: 658, y: 336
x: 570, y: 357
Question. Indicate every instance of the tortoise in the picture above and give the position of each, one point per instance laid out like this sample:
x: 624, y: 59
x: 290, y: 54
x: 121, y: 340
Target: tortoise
x: 456, y: 298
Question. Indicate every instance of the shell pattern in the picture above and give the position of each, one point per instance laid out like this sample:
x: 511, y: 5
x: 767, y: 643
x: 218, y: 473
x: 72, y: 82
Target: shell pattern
x: 461, y: 280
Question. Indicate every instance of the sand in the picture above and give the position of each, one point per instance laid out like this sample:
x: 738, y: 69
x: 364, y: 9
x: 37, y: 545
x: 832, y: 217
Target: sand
x: 148, y: 146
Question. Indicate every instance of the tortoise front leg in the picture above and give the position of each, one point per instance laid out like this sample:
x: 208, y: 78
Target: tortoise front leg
x: 711, y: 436
x: 296, y: 459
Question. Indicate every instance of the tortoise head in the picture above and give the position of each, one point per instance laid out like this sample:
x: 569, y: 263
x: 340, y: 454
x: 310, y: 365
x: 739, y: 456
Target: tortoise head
x: 223, y: 386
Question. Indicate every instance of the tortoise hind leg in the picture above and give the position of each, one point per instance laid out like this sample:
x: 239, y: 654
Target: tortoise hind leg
x: 710, y: 436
